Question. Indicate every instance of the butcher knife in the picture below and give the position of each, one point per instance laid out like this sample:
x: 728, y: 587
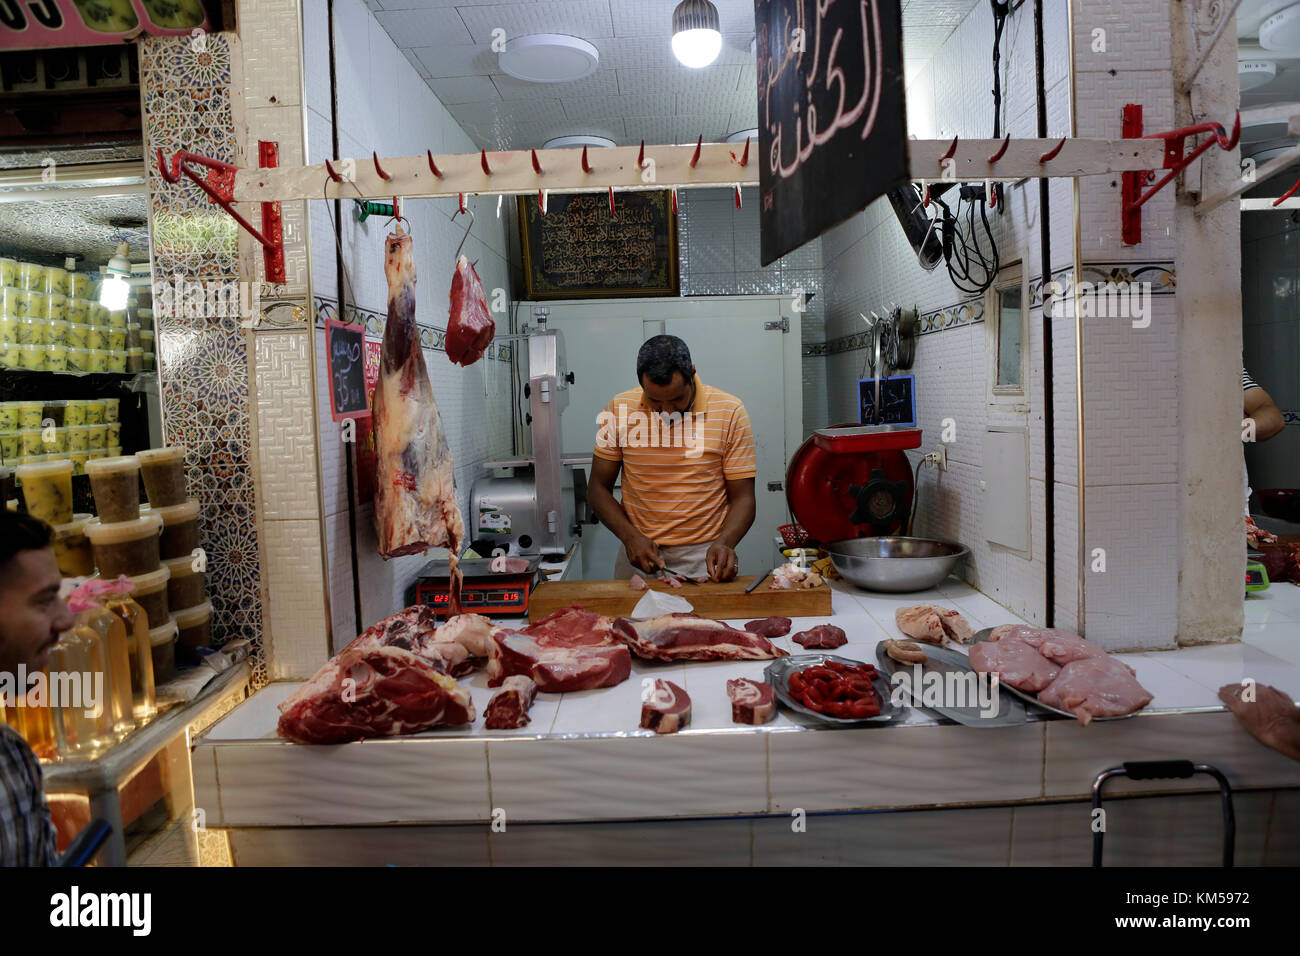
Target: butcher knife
x: 678, y: 574
x: 759, y: 580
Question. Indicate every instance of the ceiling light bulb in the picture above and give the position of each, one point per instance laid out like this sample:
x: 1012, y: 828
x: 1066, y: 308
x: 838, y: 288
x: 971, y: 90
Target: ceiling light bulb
x: 113, y: 290
x: 1252, y: 74
x: 1280, y: 33
x: 697, y: 39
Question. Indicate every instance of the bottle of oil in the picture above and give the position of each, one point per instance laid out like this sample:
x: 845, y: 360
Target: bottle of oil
x: 84, y: 715
x: 33, y: 720
x: 117, y: 655
x: 117, y: 598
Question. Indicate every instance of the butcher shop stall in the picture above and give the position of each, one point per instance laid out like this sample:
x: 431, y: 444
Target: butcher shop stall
x: 937, y: 541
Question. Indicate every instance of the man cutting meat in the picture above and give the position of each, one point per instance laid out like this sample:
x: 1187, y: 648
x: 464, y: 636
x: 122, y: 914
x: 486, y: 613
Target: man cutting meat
x: 686, y: 452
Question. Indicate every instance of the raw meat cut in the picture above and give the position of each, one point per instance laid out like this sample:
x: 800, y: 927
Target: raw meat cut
x: 471, y: 631
x: 821, y: 637
x: 905, y: 652
x: 689, y: 637
x: 752, y: 702
x: 415, y: 489
x: 508, y: 708
x: 931, y: 623
x: 665, y: 708
x: 469, y: 323
x: 372, y: 691
x: 1057, y: 645
x: 791, y: 577
x: 770, y: 627
x: 415, y: 630
x: 1015, y: 662
x: 1096, y: 687
x: 572, y: 649
x: 502, y: 564
x: 637, y: 583
x: 920, y: 623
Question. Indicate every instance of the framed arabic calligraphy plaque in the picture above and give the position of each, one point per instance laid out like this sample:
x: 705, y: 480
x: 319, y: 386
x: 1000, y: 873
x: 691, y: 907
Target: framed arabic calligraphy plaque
x: 832, y: 123
x: 578, y: 250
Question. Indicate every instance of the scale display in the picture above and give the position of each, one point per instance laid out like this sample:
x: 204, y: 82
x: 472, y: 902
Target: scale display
x: 478, y: 600
x: 897, y: 396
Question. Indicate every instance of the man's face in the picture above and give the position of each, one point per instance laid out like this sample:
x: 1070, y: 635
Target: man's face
x: 31, y: 613
x: 677, y: 396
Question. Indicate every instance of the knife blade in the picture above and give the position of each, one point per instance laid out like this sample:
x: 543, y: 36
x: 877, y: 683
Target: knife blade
x: 759, y: 580
x: 678, y: 574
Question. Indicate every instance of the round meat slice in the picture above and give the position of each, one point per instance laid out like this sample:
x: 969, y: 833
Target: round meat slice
x: 770, y: 627
x: 905, y: 652
x: 821, y: 637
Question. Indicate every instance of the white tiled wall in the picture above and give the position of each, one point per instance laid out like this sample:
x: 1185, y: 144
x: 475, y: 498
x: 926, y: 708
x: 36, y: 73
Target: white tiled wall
x: 718, y: 254
x: 384, y: 106
x: 869, y: 265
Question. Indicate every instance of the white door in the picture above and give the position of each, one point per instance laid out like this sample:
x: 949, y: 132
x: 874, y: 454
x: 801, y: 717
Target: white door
x: 732, y: 351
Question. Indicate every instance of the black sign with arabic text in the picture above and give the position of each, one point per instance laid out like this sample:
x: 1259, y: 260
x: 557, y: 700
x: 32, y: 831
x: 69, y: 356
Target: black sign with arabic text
x: 832, y: 124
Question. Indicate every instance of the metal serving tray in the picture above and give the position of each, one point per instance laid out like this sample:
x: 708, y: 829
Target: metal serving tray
x: 778, y: 674
x: 941, y: 660
x: 983, y: 635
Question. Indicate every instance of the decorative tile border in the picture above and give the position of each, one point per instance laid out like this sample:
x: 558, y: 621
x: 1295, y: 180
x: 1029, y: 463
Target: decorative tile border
x: 431, y: 336
x: 1162, y: 276
x: 186, y: 94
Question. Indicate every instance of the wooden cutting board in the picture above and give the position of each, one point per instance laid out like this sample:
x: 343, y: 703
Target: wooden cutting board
x: 722, y: 601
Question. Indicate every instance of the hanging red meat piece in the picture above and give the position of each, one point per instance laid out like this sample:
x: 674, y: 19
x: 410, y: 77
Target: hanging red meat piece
x: 415, y: 493
x: 469, y: 325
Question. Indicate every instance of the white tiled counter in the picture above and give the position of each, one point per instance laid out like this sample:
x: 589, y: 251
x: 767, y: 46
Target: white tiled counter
x: 582, y: 758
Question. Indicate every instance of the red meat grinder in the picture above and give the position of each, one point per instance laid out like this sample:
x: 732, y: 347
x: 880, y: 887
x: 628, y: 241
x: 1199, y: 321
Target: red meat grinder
x: 852, y: 481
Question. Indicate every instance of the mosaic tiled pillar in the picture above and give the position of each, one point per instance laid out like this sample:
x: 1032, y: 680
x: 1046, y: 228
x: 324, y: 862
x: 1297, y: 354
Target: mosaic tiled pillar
x: 186, y: 92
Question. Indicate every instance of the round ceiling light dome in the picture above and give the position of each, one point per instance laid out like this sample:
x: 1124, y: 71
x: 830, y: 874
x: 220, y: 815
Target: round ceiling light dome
x: 740, y: 135
x: 697, y: 38
x: 1252, y: 74
x: 549, y: 58
x: 1281, y: 31
x: 579, y: 139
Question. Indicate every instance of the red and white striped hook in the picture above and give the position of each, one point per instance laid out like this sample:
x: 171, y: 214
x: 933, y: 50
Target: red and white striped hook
x: 737, y: 195
x: 674, y: 202
x: 463, y: 207
x: 699, y: 144
x: 611, y: 200
x: 541, y: 200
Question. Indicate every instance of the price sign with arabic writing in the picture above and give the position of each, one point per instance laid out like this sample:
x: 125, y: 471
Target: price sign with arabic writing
x: 346, y: 347
x: 832, y: 125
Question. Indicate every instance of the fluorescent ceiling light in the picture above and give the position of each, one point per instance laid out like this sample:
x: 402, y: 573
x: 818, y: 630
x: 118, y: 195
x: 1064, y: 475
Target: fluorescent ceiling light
x: 1252, y: 74
x: 549, y: 58
x: 578, y: 140
x: 697, y: 39
x: 1280, y: 33
x: 114, y: 289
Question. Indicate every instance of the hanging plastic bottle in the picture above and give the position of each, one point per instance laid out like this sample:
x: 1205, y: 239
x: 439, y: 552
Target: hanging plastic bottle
x: 117, y: 598
x: 91, y: 613
x: 84, y: 714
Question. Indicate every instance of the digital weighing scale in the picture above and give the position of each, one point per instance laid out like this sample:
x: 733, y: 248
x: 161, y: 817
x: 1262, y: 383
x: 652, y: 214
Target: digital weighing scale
x: 482, y: 592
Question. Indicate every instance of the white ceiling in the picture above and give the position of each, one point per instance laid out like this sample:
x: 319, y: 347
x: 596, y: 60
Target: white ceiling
x: 638, y: 92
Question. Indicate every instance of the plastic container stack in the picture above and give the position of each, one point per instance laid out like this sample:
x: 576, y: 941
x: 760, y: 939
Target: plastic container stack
x: 76, y: 429
x: 51, y: 321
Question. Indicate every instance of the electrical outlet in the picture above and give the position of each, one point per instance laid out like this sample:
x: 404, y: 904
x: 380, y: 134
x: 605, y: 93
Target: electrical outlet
x: 941, y: 457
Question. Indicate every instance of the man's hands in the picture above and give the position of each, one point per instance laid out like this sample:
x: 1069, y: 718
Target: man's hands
x: 1271, y: 718
x: 642, y: 552
x: 721, y: 562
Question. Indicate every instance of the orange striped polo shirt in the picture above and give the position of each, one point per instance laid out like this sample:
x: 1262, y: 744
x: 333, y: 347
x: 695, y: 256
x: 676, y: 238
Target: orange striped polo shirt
x: 675, y: 473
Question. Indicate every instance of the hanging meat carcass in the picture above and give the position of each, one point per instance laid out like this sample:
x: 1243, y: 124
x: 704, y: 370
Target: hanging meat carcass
x: 415, y: 496
x: 469, y: 324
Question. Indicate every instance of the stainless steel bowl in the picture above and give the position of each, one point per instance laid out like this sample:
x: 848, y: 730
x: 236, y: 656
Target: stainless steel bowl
x: 895, y: 564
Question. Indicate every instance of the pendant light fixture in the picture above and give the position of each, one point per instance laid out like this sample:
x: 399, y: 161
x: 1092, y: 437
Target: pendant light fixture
x: 697, y: 39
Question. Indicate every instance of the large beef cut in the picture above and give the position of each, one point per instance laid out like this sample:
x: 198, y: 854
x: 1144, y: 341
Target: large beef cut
x: 1096, y: 687
x: 822, y: 637
x: 752, y: 702
x: 665, y: 707
x: 508, y: 708
x: 1015, y: 662
x: 469, y: 323
x: 415, y: 491
x: 770, y: 627
x: 572, y: 649
x: 689, y: 637
x: 415, y: 629
x: 471, y: 631
x: 372, y: 691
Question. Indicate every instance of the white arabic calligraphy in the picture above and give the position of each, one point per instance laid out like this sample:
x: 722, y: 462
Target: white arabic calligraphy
x: 868, y: 103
